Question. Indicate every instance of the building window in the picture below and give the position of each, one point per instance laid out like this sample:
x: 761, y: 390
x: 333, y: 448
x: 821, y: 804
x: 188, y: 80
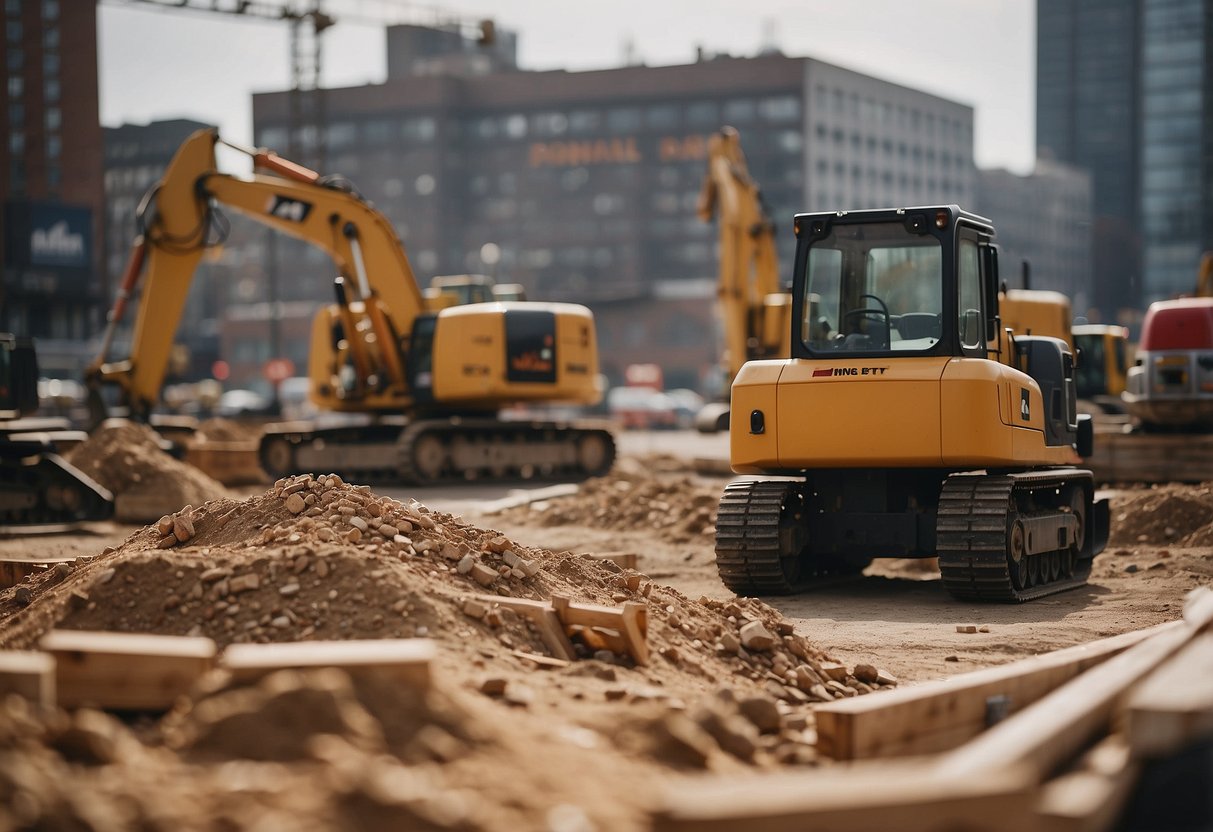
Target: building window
x: 703, y: 114
x: 50, y: 90
x: 16, y: 141
x: 623, y: 120
x: 739, y: 110
x: 781, y: 108
x: 15, y: 59
x: 50, y: 63
x: 54, y: 146
x: 16, y: 116
x: 12, y: 7
x: 50, y: 38
x: 661, y: 116
x: 14, y: 31
x: 54, y: 176
x: 50, y: 9
x: 54, y: 118
x: 15, y: 87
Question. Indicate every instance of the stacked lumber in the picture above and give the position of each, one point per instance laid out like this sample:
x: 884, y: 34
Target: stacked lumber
x: 1070, y: 735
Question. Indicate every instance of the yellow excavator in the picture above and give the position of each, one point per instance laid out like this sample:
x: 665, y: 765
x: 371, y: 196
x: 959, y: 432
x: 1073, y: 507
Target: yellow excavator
x: 908, y: 422
x: 431, y: 382
x: 753, y: 305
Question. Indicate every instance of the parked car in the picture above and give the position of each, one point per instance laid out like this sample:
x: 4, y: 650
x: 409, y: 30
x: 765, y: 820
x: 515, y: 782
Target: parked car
x: 642, y: 408
x: 236, y: 403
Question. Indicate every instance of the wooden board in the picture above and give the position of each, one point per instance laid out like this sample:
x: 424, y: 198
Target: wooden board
x: 873, y: 797
x: 1055, y: 728
x: 125, y: 671
x: 1143, y: 457
x: 406, y: 660
x: 1174, y: 707
x: 938, y: 716
x: 541, y: 614
x: 28, y: 673
x: 630, y: 623
x: 231, y: 463
x: 1091, y: 796
x: 15, y: 570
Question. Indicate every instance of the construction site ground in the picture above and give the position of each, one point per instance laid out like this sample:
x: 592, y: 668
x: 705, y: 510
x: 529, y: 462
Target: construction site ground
x: 563, y: 744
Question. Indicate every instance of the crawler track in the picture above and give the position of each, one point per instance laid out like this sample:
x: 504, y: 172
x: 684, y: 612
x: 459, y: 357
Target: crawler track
x: 982, y: 555
x: 40, y: 492
x: 759, y: 539
x: 438, y: 450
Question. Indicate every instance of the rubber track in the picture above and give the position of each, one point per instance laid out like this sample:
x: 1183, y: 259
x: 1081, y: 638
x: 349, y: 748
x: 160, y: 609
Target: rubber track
x: 536, y: 433
x: 748, y: 545
x: 971, y: 538
x: 747, y: 538
x: 49, y: 472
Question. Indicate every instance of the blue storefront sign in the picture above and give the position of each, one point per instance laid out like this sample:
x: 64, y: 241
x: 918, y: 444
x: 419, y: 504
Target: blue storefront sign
x: 47, y: 235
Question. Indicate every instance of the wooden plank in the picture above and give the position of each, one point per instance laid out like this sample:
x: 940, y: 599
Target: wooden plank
x: 942, y: 715
x: 405, y: 660
x: 1174, y: 707
x: 28, y: 673
x: 1091, y: 796
x: 544, y: 617
x: 125, y: 671
x: 630, y: 621
x: 15, y: 570
x: 1055, y: 728
x: 871, y: 797
x: 1139, y: 457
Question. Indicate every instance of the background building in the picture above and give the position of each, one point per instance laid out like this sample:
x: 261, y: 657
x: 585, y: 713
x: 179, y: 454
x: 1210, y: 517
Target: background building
x: 587, y: 182
x: 51, y: 196
x: 1123, y: 90
x: 1045, y: 219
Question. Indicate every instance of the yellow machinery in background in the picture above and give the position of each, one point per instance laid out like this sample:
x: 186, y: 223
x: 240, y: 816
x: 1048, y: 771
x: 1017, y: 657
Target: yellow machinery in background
x: 1103, y: 364
x: 908, y: 422
x: 753, y: 305
x: 430, y: 382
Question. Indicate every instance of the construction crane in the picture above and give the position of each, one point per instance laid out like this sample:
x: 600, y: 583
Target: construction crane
x: 309, y: 21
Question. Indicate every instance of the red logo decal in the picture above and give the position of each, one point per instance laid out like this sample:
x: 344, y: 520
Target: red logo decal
x: 826, y: 372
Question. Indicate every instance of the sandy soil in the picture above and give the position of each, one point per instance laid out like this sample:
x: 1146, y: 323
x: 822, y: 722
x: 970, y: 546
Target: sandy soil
x: 493, y: 745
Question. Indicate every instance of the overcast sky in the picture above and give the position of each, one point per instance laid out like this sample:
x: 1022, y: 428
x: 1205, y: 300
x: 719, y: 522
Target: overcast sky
x: 161, y: 64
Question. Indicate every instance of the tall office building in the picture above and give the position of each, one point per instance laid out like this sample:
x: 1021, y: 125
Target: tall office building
x: 1125, y: 89
x: 1176, y: 168
x: 586, y: 182
x: 51, y: 196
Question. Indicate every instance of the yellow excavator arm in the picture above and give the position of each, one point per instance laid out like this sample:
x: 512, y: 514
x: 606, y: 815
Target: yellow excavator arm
x: 177, y: 216
x: 753, y: 306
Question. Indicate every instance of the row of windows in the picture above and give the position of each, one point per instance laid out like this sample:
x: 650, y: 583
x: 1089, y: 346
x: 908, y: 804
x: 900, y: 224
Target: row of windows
x: 904, y: 151
x: 17, y: 145
x: 867, y: 109
x: 706, y: 114
x: 52, y: 117
x: 50, y: 9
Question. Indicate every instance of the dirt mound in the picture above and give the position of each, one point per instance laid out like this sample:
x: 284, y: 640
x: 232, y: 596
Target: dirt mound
x: 225, y: 430
x: 127, y: 458
x: 1176, y: 514
x: 678, y: 508
x: 728, y: 685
